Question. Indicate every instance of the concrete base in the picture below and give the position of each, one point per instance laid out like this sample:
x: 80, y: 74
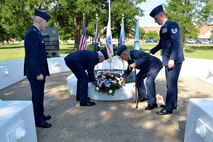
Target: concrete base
x: 124, y: 93
x: 13, y: 71
x: 17, y: 121
x: 199, y: 123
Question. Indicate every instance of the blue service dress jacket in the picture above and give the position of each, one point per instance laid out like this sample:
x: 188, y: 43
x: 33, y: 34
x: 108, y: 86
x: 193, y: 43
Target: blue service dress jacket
x: 85, y: 58
x: 170, y: 43
x: 35, y: 54
x: 149, y: 67
x: 144, y: 62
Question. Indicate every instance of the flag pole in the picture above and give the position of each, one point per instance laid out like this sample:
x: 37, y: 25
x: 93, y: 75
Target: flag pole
x: 136, y: 47
x: 136, y: 91
x: 109, y: 22
x: 122, y: 37
x: 96, y: 47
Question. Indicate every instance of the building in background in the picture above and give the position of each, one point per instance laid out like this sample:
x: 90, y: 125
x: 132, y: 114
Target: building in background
x: 205, y: 31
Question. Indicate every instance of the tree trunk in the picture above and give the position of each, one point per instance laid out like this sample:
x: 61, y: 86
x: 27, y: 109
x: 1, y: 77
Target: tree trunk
x: 77, y: 27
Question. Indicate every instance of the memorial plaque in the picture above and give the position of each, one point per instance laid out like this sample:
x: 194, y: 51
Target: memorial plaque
x: 50, y: 37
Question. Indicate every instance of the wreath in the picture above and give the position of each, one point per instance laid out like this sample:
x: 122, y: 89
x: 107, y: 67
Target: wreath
x: 108, y: 82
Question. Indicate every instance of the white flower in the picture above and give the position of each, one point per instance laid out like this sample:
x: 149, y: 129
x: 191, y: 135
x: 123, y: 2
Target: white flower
x: 119, y: 83
x: 97, y: 88
x: 110, y: 91
x: 114, y: 82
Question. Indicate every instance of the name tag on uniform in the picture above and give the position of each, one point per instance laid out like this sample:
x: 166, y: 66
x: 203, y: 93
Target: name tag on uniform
x: 164, y: 30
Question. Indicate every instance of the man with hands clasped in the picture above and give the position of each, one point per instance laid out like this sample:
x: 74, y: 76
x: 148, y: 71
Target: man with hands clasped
x: 149, y: 67
x: 172, y: 56
x: 36, y: 66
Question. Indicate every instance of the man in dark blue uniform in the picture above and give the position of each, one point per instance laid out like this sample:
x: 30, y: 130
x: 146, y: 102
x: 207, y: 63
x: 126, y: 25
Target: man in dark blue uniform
x: 149, y: 67
x: 172, y: 56
x: 36, y: 67
x: 80, y: 61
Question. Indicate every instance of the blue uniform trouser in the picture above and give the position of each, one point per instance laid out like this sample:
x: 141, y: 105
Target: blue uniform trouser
x: 82, y: 80
x: 37, y: 88
x: 172, y: 86
x: 150, y: 84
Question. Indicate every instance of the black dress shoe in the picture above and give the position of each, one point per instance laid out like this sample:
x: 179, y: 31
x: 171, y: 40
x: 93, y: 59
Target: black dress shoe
x: 87, y: 103
x: 44, y: 125
x: 163, y: 112
x: 163, y: 106
x: 48, y: 117
x: 142, y: 99
x: 150, y: 107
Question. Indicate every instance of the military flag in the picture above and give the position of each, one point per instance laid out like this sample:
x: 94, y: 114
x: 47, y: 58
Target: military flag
x: 122, y: 34
x: 109, y: 45
x: 137, y: 35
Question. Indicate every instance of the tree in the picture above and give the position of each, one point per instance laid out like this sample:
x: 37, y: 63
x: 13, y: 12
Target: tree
x: 142, y: 33
x: 68, y: 14
x: 187, y: 13
x: 152, y: 35
x: 16, y: 16
x: 211, y: 37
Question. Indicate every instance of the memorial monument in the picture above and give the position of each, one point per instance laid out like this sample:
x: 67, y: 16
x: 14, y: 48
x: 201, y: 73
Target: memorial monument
x: 50, y: 36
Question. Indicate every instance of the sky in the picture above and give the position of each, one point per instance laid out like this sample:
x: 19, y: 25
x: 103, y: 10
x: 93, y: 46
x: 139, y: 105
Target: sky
x: 146, y: 20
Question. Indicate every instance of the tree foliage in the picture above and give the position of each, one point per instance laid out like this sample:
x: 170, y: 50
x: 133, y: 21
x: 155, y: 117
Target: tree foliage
x: 68, y: 14
x: 188, y: 13
x: 15, y: 16
x: 152, y: 35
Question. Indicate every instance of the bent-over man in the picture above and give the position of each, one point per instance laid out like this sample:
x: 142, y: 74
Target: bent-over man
x: 80, y: 61
x: 149, y: 67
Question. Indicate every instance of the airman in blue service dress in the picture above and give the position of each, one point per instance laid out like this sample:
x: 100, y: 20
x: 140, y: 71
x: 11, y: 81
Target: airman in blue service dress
x: 172, y: 56
x: 149, y: 67
x: 80, y: 61
x: 36, y: 67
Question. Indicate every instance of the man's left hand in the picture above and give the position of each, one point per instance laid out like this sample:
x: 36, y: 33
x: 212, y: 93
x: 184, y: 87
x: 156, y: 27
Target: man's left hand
x: 132, y: 66
x: 171, y: 64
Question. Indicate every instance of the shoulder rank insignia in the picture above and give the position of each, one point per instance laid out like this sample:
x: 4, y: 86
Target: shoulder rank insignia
x: 174, y: 31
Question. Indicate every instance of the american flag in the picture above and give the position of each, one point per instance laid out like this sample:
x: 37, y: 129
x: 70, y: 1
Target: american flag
x: 83, y: 42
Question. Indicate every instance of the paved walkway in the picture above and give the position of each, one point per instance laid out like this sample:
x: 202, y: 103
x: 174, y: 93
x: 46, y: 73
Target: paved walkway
x: 116, y: 121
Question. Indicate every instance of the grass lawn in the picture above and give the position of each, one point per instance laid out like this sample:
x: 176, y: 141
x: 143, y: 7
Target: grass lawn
x: 16, y: 52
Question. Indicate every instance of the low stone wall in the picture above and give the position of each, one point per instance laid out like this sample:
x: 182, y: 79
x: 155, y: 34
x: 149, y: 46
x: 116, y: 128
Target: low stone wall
x: 12, y: 71
x: 199, y: 68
